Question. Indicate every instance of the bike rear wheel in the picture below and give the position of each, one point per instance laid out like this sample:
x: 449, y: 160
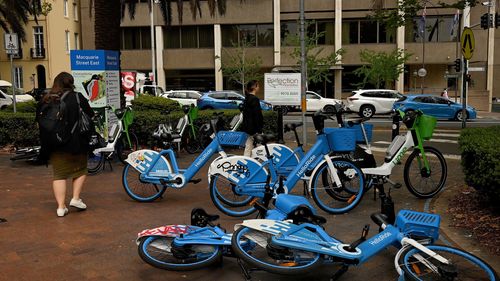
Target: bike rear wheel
x: 190, y: 142
x: 417, y: 265
x: 337, y: 199
x: 123, y: 148
x: 254, y: 248
x: 418, y: 180
x: 225, y: 198
x: 158, y: 252
x: 95, y: 163
x: 138, y: 189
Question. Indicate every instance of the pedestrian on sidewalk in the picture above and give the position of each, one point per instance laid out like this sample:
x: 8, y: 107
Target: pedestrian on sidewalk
x: 253, y: 121
x: 68, y: 159
x: 444, y: 94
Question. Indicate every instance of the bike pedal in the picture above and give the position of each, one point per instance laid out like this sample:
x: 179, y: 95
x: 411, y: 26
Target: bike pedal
x: 398, y: 185
x: 195, y: 181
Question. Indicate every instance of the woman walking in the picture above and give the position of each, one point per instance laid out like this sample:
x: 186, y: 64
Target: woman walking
x: 253, y: 121
x: 68, y: 160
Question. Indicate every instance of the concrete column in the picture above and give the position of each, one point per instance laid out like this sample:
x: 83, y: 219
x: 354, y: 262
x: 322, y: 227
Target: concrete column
x: 491, y: 61
x: 218, y: 57
x: 400, y: 44
x: 277, y: 31
x: 465, y: 23
x: 338, y: 46
x: 160, y: 70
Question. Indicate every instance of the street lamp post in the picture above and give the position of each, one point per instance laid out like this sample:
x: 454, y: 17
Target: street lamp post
x: 303, y: 71
x: 153, y: 40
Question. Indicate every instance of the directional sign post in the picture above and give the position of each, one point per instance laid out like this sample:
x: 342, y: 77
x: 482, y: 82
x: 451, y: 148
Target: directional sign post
x: 467, y: 45
x: 12, y: 48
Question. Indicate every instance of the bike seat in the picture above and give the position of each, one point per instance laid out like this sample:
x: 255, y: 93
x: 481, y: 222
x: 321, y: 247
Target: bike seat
x: 304, y: 214
x: 357, y: 121
x: 119, y: 113
x: 199, y: 217
x: 169, y: 136
x: 291, y: 126
x: 263, y: 138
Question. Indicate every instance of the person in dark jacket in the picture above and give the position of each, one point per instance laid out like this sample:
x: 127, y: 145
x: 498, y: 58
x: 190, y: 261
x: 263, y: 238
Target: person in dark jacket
x: 253, y: 121
x: 69, y: 161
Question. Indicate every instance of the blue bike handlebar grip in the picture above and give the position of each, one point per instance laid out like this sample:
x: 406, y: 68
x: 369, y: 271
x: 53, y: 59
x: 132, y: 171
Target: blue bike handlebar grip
x: 379, y: 219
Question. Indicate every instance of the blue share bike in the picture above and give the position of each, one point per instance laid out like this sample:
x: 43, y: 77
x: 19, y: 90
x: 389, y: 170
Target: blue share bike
x: 282, y: 247
x: 237, y: 180
x: 149, y: 173
x: 189, y: 247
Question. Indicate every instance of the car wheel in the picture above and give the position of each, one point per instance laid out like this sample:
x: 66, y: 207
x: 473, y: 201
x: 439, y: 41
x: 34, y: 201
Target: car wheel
x: 459, y: 115
x: 329, y: 108
x: 367, y: 111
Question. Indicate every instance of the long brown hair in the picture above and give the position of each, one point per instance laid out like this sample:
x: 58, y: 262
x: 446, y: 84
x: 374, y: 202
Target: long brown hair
x: 62, y: 83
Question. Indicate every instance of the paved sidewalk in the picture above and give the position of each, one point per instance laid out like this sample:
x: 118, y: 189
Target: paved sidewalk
x: 98, y: 244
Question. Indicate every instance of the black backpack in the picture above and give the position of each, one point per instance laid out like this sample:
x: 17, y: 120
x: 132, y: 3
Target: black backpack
x: 53, y: 122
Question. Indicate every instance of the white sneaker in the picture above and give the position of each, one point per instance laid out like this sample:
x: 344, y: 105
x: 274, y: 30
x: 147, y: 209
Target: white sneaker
x: 78, y: 204
x: 62, y: 212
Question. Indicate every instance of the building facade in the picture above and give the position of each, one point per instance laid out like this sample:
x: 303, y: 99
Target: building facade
x: 190, y: 55
x: 45, y: 53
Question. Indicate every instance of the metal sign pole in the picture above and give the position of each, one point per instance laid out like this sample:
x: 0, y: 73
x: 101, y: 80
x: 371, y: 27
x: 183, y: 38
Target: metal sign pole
x: 303, y: 71
x: 464, y: 91
x: 13, y: 83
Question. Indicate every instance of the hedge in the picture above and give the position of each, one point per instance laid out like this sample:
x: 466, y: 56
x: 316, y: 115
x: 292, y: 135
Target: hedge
x: 29, y: 106
x: 481, y: 159
x: 147, y: 102
x: 18, y: 129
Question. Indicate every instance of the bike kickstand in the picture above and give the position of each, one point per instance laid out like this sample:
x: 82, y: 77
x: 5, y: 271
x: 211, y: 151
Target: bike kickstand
x: 339, y: 273
x: 244, y: 270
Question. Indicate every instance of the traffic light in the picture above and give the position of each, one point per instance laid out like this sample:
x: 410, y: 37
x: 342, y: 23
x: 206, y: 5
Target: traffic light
x: 457, y: 65
x: 468, y: 78
x: 487, y: 21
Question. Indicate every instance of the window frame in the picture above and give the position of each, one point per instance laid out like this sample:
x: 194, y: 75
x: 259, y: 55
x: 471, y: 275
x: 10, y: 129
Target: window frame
x: 65, y: 9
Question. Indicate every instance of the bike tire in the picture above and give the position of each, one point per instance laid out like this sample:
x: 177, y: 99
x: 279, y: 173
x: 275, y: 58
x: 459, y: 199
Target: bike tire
x: 220, y: 196
x: 123, y: 149
x: 333, y: 199
x: 414, y: 178
x: 190, y: 142
x: 472, y: 267
x: 24, y: 156
x: 138, y: 189
x: 156, y: 251
x: 95, y: 163
x: 256, y: 254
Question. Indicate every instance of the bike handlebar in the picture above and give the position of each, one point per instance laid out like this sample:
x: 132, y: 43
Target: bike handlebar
x: 380, y: 219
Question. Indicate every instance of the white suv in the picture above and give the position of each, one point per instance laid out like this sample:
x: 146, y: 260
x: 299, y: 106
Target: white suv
x: 369, y: 102
x: 184, y: 97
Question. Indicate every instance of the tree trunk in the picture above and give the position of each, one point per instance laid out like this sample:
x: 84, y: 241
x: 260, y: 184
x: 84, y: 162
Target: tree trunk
x: 107, y: 24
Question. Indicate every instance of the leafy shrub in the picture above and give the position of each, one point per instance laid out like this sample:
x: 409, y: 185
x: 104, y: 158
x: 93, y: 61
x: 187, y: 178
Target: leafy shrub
x: 18, y: 129
x: 147, y: 102
x: 481, y: 159
x: 29, y: 106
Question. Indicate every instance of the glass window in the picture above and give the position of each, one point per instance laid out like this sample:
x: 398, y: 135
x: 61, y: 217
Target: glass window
x: 328, y: 31
x: 288, y: 29
x: 18, y: 77
x: 172, y: 39
x: 65, y: 8
x: 68, y: 45
x: 265, y: 35
x: 350, y: 32
x: 445, y: 26
x: 189, y: 37
x: 312, y: 96
x: 131, y: 39
x: 193, y: 95
x: 77, y: 41
x: 75, y: 11
x: 219, y: 96
x: 206, y: 36
x: 367, y: 31
x: 431, y: 29
x: 38, y: 37
x: 145, y: 38
x: 386, y: 35
x: 248, y: 34
x: 440, y: 100
x: 229, y: 35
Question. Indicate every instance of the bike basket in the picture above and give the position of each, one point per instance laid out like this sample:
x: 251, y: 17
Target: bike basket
x: 229, y: 138
x: 128, y: 118
x: 425, y: 126
x: 417, y: 224
x: 341, y: 139
x: 359, y: 132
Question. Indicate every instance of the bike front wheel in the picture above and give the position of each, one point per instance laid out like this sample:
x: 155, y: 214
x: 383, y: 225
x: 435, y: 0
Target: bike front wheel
x: 417, y: 265
x: 159, y: 251
x: 138, y: 189
x: 334, y: 198
x: 421, y: 182
x: 95, y: 163
x: 191, y: 142
x: 124, y: 148
x: 255, y: 248
x: 227, y: 200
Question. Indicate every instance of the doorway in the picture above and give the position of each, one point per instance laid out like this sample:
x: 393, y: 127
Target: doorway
x: 41, y: 79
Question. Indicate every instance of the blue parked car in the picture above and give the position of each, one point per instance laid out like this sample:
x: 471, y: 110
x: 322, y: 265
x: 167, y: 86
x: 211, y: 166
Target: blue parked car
x: 435, y: 106
x: 225, y: 100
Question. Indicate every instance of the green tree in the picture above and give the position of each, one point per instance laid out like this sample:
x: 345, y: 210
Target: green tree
x: 108, y: 14
x: 381, y: 68
x: 318, y: 62
x: 239, y: 67
x: 14, y: 14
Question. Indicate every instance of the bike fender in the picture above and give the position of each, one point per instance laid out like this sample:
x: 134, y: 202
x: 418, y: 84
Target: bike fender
x: 314, y: 172
x: 238, y: 168
x: 281, y: 154
x: 210, y: 172
x: 142, y: 159
x: 172, y: 230
x: 268, y: 226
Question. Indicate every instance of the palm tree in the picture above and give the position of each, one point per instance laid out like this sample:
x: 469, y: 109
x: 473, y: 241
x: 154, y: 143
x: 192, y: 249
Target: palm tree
x: 14, y: 14
x: 108, y: 14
